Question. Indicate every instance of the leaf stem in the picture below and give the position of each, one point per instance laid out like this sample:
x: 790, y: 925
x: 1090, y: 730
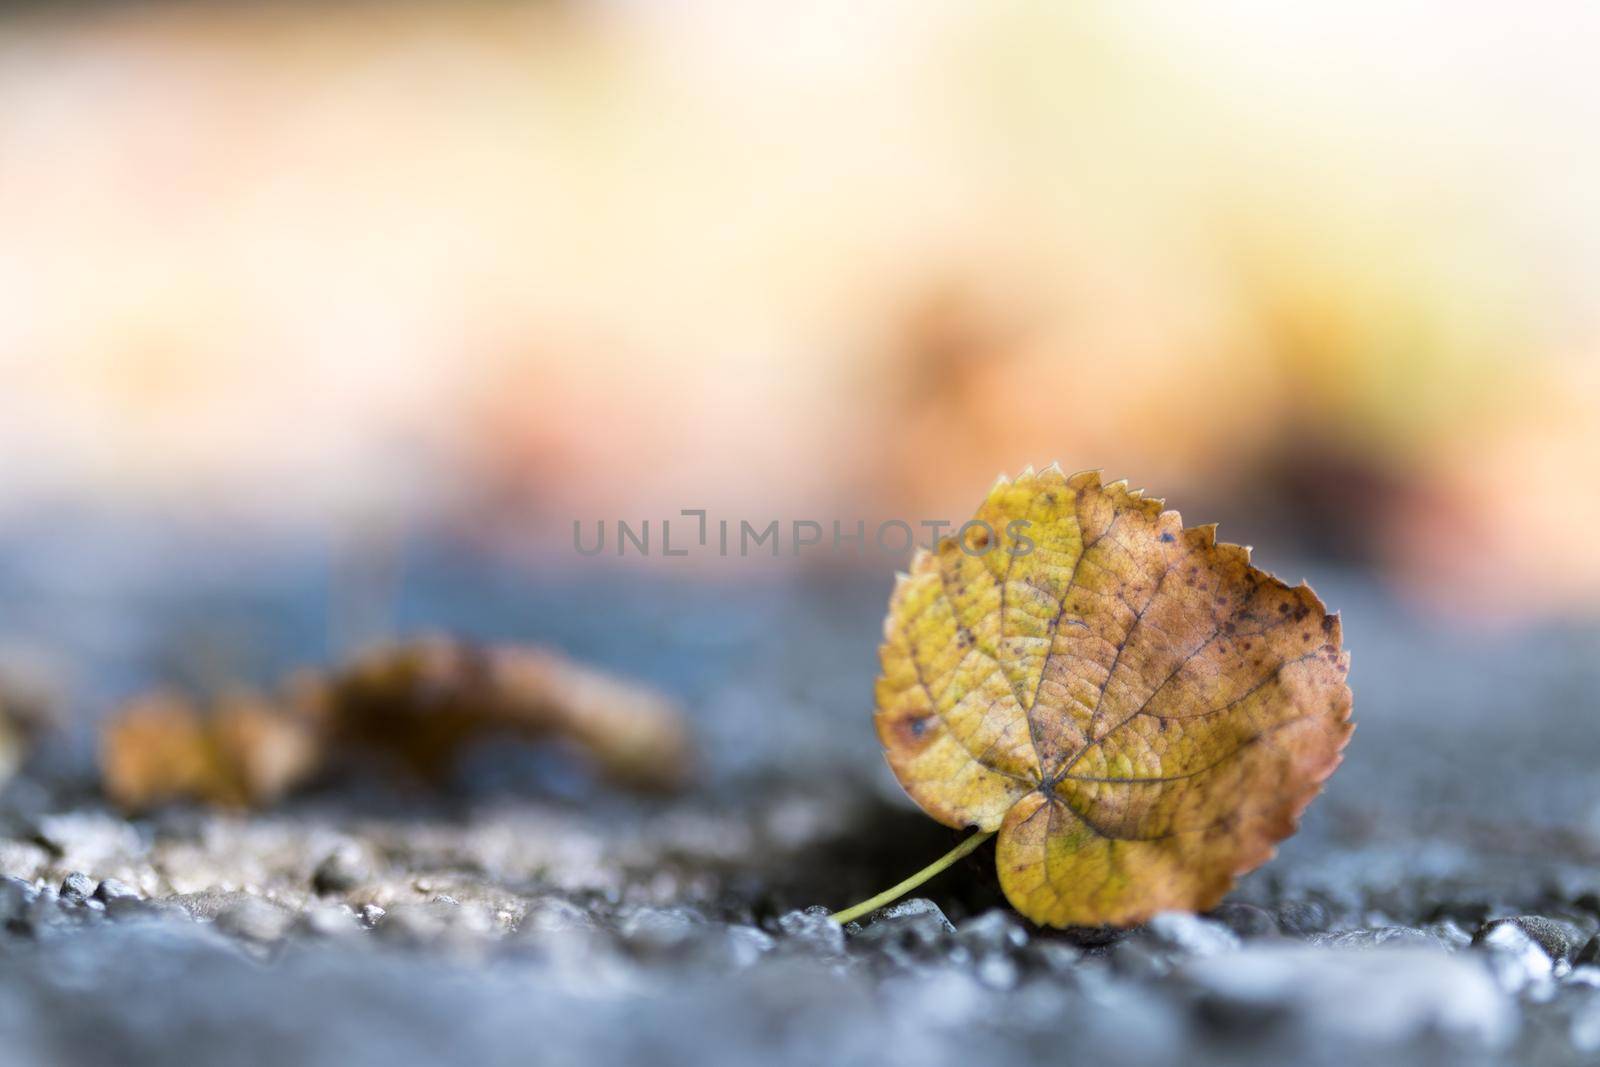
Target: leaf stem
x: 900, y: 889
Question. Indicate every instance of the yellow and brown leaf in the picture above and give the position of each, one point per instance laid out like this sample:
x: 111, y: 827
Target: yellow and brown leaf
x: 1140, y: 713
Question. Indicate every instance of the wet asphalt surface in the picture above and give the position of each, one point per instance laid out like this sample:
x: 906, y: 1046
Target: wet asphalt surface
x: 1439, y: 905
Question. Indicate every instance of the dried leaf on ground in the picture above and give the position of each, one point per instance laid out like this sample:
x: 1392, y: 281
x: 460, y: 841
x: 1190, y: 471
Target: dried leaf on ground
x: 1140, y: 713
x: 243, y: 752
x: 420, y: 702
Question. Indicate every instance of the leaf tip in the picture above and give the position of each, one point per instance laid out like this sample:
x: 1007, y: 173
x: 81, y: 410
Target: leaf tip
x: 1238, y: 554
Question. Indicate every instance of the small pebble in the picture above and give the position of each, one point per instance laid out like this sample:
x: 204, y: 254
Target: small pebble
x: 995, y: 931
x: 412, y: 924
x: 110, y: 890
x: 1519, y: 963
x: 327, y: 921
x: 997, y: 972
x: 1052, y: 955
x: 254, y: 919
x: 1302, y: 918
x: 742, y: 945
x: 551, y: 914
x: 683, y: 934
x: 77, y: 888
x: 1137, y: 959
x: 1555, y: 938
x: 650, y: 930
x: 918, y: 911
x: 1170, y: 937
x: 910, y: 932
x: 813, y: 929
x: 340, y: 871
x: 450, y: 925
x: 1180, y: 933
x: 1448, y: 934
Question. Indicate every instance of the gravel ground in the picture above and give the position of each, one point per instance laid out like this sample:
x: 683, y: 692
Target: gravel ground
x: 1440, y: 905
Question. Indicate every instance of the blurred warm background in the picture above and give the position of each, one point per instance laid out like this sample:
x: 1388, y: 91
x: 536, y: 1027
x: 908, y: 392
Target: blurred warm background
x: 1328, y: 275
x: 322, y: 322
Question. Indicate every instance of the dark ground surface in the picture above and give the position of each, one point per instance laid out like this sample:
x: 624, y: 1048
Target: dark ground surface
x: 529, y: 915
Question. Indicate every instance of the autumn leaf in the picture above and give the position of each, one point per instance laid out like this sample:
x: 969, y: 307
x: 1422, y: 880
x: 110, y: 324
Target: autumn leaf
x: 423, y: 700
x: 1139, y: 713
x: 241, y: 752
x: 417, y: 703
